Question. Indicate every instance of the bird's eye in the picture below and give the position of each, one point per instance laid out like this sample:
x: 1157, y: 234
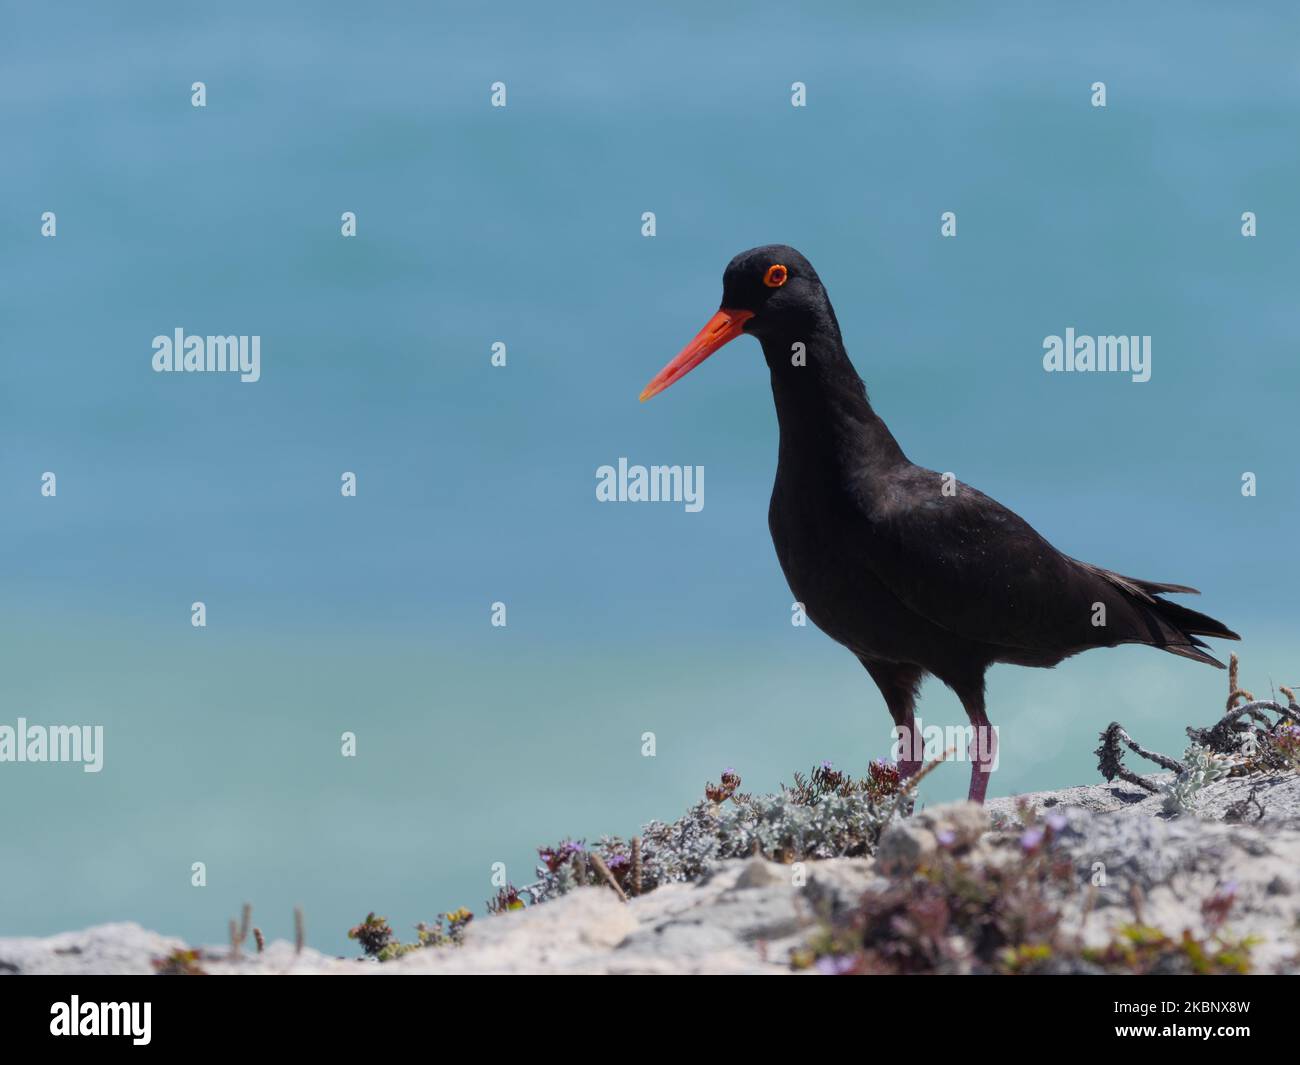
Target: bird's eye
x: 776, y: 276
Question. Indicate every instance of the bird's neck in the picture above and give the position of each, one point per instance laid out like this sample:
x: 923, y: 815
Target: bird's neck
x: 822, y: 409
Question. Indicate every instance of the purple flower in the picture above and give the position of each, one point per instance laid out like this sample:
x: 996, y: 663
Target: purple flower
x: 1032, y: 839
x: 834, y: 965
x: 946, y: 838
x: 1056, y: 822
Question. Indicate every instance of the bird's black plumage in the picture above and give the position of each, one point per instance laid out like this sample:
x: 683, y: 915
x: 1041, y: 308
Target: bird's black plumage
x: 912, y: 578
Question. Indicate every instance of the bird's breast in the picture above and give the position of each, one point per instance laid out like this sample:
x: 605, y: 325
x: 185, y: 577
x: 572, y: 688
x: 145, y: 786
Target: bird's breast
x: 822, y: 539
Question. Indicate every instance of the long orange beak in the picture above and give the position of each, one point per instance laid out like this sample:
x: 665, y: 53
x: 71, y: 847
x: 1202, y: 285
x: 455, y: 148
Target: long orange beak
x: 722, y: 328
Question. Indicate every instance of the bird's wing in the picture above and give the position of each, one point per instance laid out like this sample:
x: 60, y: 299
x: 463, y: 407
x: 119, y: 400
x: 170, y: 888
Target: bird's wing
x: 971, y: 566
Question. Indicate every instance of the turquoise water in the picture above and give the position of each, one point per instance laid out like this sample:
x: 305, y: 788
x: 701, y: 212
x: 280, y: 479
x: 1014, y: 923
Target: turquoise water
x: 476, y: 484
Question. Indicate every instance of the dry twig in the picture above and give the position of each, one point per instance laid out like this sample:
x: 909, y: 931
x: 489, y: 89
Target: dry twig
x: 598, y: 863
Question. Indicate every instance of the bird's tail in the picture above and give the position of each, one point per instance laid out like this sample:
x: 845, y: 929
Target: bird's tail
x: 1172, y: 627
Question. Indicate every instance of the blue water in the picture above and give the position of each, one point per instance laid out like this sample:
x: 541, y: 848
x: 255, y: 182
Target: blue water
x: 476, y: 484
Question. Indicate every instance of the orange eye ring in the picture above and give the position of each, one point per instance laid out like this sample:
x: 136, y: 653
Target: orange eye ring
x: 776, y: 276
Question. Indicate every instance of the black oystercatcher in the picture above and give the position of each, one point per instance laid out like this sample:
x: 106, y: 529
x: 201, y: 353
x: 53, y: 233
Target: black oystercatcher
x: 911, y: 574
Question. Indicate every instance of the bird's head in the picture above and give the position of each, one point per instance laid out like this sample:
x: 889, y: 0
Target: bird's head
x: 767, y: 290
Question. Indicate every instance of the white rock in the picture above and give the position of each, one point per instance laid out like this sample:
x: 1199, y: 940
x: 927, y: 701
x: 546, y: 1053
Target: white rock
x: 748, y: 915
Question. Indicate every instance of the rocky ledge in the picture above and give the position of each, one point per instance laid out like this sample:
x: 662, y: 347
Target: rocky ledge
x: 1099, y: 872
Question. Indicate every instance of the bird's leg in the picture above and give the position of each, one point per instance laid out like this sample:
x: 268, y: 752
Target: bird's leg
x: 986, y: 741
x: 898, y: 683
x: 910, y: 747
x: 983, y: 749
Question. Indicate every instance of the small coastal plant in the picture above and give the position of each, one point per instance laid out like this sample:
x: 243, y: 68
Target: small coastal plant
x: 955, y: 914
x: 1201, y: 767
x: 827, y: 814
x: 378, y: 941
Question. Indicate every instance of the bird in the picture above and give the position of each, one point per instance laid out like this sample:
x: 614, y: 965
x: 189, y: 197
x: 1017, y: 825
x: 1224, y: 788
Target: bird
x: 916, y: 573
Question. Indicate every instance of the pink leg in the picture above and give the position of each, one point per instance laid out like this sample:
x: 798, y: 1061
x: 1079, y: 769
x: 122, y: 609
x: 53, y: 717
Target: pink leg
x: 983, y: 756
x: 909, y: 755
x: 983, y: 748
x: 898, y: 683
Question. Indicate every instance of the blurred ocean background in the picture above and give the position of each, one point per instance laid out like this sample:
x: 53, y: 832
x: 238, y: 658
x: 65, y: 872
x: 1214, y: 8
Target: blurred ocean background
x: 476, y: 484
